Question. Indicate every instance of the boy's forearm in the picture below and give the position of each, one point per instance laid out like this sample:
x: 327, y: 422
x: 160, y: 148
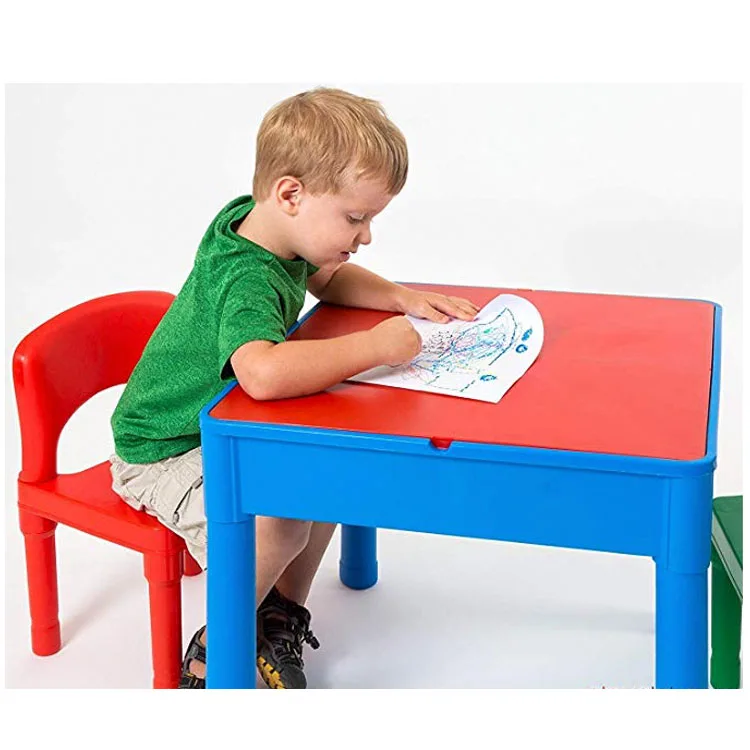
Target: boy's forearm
x: 354, y: 286
x: 299, y: 368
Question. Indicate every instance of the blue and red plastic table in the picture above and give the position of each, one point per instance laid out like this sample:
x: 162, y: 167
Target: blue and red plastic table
x: 607, y: 443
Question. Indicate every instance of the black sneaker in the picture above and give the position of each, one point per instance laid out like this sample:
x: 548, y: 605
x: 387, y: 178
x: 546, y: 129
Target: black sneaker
x: 283, y: 627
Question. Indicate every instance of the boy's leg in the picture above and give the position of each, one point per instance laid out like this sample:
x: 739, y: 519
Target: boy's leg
x: 283, y: 620
x: 278, y: 540
x: 172, y: 490
x: 288, y: 554
x: 296, y: 580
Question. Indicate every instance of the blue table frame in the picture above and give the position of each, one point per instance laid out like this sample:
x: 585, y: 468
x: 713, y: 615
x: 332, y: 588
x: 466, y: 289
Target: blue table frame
x: 655, y: 507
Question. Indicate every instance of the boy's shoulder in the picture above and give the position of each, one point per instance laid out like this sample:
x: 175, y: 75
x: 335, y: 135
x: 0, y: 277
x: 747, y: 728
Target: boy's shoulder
x: 224, y: 252
x: 221, y: 230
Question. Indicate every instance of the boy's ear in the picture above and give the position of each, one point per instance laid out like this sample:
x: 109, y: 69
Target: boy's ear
x: 289, y: 194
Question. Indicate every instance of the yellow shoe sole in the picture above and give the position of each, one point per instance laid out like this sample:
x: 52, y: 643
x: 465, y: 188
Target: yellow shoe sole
x: 270, y: 676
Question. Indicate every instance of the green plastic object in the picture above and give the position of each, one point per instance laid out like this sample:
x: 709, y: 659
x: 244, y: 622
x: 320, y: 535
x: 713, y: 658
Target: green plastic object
x: 726, y: 591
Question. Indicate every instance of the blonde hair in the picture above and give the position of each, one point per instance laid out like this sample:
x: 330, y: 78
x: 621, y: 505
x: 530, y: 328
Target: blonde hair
x: 325, y: 136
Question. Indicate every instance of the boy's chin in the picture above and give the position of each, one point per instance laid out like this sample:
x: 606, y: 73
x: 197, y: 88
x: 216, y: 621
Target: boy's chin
x: 332, y: 264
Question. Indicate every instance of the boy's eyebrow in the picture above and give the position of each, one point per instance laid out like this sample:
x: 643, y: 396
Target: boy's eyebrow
x: 364, y: 214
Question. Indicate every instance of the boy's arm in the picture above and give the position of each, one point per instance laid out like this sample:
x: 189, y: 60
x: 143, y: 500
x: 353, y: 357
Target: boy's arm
x: 350, y: 285
x: 353, y: 286
x: 266, y: 370
x: 289, y: 369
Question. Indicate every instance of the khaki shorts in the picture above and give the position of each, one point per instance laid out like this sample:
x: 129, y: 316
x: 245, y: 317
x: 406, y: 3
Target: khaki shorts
x: 172, y: 491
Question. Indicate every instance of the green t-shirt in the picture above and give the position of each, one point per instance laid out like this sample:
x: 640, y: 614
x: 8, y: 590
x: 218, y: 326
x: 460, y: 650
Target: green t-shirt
x: 236, y: 292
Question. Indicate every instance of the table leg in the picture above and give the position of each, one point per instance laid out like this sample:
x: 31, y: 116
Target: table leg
x: 681, y: 629
x: 230, y: 570
x: 726, y: 620
x: 358, y: 566
x: 230, y: 605
x: 682, y: 584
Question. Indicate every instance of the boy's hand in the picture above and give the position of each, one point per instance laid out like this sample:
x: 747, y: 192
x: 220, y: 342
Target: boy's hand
x: 396, y: 340
x: 437, y: 307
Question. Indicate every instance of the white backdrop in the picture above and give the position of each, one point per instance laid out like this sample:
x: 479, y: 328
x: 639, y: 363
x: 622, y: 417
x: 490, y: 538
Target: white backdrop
x: 596, y: 188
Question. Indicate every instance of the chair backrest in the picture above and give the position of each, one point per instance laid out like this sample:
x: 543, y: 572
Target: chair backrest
x: 75, y: 355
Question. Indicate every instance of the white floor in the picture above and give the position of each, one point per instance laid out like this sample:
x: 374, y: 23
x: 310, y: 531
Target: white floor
x: 446, y: 613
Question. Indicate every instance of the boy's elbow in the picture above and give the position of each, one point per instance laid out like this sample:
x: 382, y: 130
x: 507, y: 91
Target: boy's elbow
x: 258, y: 386
x: 256, y: 377
x: 261, y: 392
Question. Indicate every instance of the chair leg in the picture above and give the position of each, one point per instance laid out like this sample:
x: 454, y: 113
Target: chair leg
x: 41, y: 574
x: 190, y: 566
x: 164, y: 574
x: 726, y: 615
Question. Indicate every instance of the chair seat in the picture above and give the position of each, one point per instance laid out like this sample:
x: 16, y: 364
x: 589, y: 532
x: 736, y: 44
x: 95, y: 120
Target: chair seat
x: 726, y: 535
x: 85, y: 501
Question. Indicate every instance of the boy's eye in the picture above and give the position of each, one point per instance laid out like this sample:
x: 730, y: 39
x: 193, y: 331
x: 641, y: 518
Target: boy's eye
x: 354, y: 220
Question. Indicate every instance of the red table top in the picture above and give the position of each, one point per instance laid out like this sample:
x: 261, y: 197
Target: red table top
x: 619, y: 375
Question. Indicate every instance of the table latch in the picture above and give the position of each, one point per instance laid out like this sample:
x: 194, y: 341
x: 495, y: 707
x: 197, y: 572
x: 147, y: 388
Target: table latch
x: 441, y: 443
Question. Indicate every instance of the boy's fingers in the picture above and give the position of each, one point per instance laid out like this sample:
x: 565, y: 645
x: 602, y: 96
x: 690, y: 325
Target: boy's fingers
x: 460, y: 308
x: 434, y: 313
x: 463, y: 304
x: 465, y: 315
x: 467, y: 303
x: 442, y: 308
x: 443, y: 304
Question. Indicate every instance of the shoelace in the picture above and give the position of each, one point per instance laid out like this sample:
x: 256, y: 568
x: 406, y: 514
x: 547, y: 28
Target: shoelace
x: 311, y: 639
x: 288, y: 632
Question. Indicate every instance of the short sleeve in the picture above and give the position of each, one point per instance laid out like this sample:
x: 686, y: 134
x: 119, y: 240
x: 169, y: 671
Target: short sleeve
x: 251, y: 312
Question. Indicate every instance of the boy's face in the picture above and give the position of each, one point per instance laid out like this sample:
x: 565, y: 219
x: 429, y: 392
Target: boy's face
x: 328, y: 228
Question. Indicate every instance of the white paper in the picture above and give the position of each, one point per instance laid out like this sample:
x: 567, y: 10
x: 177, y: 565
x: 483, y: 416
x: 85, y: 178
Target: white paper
x: 479, y: 359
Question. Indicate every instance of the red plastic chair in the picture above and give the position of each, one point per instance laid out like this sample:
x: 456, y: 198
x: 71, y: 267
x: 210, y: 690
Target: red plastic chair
x: 56, y: 369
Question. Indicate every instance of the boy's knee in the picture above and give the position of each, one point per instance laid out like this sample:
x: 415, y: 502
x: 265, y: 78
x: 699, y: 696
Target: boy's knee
x: 288, y: 534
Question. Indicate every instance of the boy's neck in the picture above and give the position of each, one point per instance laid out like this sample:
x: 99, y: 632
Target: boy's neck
x: 259, y: 227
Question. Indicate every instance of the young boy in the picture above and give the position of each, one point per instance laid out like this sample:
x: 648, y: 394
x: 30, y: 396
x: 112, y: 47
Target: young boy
x: 327, y: 162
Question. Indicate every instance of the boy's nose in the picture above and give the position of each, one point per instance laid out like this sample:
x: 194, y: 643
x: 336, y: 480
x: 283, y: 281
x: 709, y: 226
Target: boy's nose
x: 365, y: 237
